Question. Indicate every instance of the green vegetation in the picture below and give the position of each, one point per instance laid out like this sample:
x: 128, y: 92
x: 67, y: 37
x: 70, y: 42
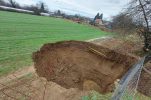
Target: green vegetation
x: 22, y: 34
x: 97, y: 96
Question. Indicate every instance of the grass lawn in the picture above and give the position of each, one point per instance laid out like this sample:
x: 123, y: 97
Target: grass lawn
x: 21, y: 34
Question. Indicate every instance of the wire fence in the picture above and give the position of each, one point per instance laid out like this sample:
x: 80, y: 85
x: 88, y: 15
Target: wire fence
x: 128, y: 87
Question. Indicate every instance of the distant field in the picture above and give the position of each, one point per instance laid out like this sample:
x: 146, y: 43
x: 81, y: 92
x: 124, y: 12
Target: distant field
x: 21, y: 34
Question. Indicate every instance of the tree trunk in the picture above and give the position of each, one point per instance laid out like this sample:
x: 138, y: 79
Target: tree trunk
x: 147, y: 36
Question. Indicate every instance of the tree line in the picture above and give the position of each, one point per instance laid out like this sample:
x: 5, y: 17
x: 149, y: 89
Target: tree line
x: 40, y: 7
x: 136, y: 18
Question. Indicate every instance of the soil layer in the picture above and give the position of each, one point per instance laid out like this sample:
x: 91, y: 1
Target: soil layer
x: 71, y: 63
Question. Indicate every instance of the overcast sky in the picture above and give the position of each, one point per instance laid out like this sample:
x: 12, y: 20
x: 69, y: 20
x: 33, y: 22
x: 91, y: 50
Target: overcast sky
x: 83, y: 7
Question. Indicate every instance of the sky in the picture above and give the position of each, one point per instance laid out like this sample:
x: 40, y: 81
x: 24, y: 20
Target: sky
x: 88, y: 8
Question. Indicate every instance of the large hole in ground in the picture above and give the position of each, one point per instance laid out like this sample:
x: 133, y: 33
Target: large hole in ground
x: 82, y: 65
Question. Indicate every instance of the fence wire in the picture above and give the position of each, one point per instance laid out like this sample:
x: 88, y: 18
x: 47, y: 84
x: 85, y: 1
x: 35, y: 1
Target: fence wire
x: 127, y: 87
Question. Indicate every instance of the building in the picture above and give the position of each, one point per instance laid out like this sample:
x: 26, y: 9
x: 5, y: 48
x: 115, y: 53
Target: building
x: 98, y: 20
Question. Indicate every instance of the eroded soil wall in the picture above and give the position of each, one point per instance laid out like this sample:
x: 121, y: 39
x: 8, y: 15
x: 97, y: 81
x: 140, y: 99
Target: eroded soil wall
x: 70, y: 63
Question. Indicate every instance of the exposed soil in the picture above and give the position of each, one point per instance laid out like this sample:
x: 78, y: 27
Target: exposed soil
x: 35, y: 88
x: 144, y: 85
x: 119, y: 45
x: 73, y: 63
x: 18, y: 85
x: 132, y: 48
x: 17, y: 74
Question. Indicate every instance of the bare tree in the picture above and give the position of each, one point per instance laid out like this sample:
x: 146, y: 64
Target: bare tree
x: 140, y: 10
x: 14, y: 4
x: 123, y: 24
x: 36, y: 9
x: 2, y: 2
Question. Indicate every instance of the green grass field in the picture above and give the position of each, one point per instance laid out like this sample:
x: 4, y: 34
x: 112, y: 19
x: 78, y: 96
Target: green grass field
x: 21, y: 34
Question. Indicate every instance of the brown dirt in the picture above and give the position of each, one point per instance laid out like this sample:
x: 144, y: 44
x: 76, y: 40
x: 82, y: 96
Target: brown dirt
x: 133, y: 49
x: 71, y: 63
x: 17, y: 74
x: 35, y: 88
x: 144, y: 85
x: 119, y: 45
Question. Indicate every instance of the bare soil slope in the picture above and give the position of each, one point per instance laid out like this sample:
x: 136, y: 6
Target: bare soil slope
x: 132, y: 48
x: 144, y: 85
x: 71, y: 63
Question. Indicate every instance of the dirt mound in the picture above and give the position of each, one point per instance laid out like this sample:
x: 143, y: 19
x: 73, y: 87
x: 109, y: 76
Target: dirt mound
x: 120, y: 45
x: 71, y: 63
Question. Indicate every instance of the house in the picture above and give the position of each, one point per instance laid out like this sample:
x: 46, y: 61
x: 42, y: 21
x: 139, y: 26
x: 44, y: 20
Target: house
x: 98, y: 20
x: 77, y: 20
